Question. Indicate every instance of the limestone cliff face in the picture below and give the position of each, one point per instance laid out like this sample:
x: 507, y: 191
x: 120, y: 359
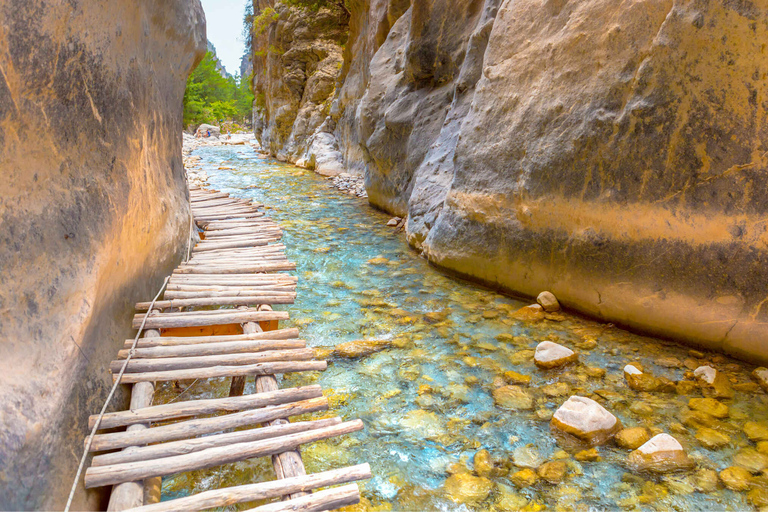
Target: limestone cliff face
x: 611, y: 152
x: 296, y: 65
x: 94, y: 213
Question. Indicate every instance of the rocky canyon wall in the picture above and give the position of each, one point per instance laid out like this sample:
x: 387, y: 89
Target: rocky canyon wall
x: 93, y: 209
x: 615, y: 153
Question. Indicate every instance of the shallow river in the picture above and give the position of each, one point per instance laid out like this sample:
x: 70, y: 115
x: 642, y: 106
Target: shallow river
x: 426, y: 400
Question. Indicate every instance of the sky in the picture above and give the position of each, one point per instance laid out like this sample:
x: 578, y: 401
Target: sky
x: 225, y: 30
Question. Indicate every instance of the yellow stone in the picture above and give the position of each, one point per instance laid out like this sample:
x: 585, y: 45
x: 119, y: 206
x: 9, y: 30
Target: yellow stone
x: 736, y: 478
x: 712, y: 439
x: 591, y: 455
x: 756, y: 431
x: 709, y: 406
x: 632, y: 438
x: 466, y: 488
x: 524, y: 478
x: 483, y: 463
x: 360, y: 348
x: 553, y: 472
x: 517, y: 378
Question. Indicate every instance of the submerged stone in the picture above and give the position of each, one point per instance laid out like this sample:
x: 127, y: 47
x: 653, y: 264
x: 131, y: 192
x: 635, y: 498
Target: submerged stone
x: 712, y: 439
x: 548, y: 302
x: 756, y: 431
x: 466, y: 488
x: 513, y: 397
x: 552, y: 355
x: 526, y: 457
x: 662, y: 454
x: 507, y: 500
x: 632, y: 438
x: 591, y: 455
x: 709, y: 406
x: 639, y: 380
x: 517, y: 378
x: 360, y: 348
x: 713, y: 383
x: 483, y: 463
x: 706, y: 480
x: 736, y: 478
x: 553, y: 472
x: 524, y: 478
x: 761, y: 376
x: 586, y: 420
x: 532, y: 313
x: 751, y: 460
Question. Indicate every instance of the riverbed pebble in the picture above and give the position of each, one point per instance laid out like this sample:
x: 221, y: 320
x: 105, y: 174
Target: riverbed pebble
x: 761, y: 376
x: 709, y: 406
x: 736, y: 478
x: 552, y: 355
x: 714, y: 384
x: 467, y: 488
x: 639, y: 380
x: 712, y: 439
x: 548, y: 302
x: 513, y: 398
x: 585, y: 419
x: 632, y: 438
x: 661, y: 454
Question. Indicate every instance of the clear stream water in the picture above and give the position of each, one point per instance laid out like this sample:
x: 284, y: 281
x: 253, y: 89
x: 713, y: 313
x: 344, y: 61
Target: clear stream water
x: 426, y: 401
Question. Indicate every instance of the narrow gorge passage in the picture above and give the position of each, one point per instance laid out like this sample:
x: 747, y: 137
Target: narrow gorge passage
x: 441, y: 372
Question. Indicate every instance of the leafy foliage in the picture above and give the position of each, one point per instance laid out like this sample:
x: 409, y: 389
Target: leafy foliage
x: 211, y: 98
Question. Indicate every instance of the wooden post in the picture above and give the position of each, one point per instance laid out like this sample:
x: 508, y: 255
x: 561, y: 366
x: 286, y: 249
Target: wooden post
x: 131, y: 494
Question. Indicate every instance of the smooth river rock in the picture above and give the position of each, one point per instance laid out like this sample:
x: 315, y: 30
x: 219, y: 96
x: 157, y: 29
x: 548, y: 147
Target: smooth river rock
x: 552, y: 355
x: 586, y: 420
x: 548, y: 302
x: 662, y: 454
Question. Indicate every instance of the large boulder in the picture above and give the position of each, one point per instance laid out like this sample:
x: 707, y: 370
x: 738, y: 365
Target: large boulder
x: 586, y: 420
x: 208, y: 130
x: 94, y: 210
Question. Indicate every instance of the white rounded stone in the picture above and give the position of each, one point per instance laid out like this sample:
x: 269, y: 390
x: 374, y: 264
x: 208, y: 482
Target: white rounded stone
x: 632, y: 370
x: 661, y: 443
x: 585, y: 418
x: 549, y: 354
x: 705, y: 373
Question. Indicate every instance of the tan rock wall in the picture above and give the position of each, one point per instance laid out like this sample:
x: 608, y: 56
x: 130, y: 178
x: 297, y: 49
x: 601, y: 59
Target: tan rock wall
x: 94, y: 213
x: 611, y: 152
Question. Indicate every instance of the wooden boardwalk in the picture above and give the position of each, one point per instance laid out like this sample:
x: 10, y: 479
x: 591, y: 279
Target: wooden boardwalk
x: 236, y: 268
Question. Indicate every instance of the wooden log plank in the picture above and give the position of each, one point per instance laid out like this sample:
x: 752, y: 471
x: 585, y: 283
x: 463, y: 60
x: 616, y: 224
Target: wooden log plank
x: 288, y: 463
x: 228, y: 245
x: 187, y: 363
x: 206, y: 197
x: 329, y: 499
x: 212, y: 312
x: 114, y: 474
x: 226, y: 371
x: 131, y: 494
x: 229, y: 204
x: 267, y: 250
x: 204, y: 349
x: 229, y: 216
x: 225, y: 225
x: 220, y: 301
x: 260, y: 232
x: 195, y: 319
x: 285, y: 291
x: 266, y: 267
x: 229, y: 496
x: 182, y: 278
x: 172, y: 448
x: 153, y: 413
x: 201, y: 426
x: 170, y: 341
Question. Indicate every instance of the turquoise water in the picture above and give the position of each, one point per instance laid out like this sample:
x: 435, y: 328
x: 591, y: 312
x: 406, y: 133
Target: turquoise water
x: 426, y: 399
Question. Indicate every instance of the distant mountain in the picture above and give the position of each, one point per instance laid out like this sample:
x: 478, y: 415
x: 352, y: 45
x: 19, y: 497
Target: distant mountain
x: 219, y: 65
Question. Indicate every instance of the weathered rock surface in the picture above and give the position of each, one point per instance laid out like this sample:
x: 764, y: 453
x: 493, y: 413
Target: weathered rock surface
x: 662, y: 454
x: 548, y: 301
x: 586, y: 420
x: 295, y: 72
x: 611, y: 153
x: 94, y: 209
x: 207, y: 130
x: 552, y: 355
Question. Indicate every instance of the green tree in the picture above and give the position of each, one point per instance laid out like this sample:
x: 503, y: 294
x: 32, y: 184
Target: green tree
x: 211, y: 98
